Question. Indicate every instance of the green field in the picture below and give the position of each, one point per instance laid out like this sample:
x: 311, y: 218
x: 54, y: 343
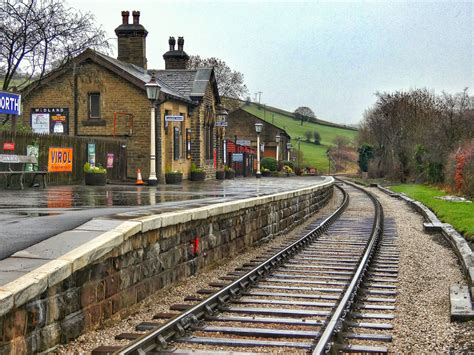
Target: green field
x: 458, y: 214
x: 313, y: 155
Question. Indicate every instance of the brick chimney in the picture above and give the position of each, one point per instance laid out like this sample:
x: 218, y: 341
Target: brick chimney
x: 176, y: 59
x: 132, y: 40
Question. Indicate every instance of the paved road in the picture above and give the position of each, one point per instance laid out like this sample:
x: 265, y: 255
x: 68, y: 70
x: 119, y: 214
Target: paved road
x: 30, y: 216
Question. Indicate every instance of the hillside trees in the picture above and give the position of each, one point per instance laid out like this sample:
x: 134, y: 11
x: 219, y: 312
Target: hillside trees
x: 39, y: 35
x: 413, y: 132
x: 304, y: 113
x: 317, y: 138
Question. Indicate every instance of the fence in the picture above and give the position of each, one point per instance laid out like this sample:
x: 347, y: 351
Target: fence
x: 103, y: 146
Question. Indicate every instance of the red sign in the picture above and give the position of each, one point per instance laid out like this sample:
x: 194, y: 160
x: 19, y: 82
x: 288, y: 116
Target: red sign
x: 8, y: 146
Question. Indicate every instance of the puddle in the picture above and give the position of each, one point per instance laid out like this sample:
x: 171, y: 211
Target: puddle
x: 34, y: 214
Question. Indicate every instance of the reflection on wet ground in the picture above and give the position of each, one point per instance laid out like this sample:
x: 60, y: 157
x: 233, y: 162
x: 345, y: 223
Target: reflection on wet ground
x: 80, y: 196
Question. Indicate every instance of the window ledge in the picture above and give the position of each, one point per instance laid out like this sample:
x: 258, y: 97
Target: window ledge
x: 94, y: 122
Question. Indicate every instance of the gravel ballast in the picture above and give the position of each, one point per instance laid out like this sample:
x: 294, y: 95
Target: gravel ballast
x: 428, y: 266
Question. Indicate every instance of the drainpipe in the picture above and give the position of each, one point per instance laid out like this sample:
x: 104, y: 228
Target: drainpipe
x: 76, y: 99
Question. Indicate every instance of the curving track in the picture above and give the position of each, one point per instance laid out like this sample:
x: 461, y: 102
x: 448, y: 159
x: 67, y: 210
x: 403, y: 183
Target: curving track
x: 332, y: 290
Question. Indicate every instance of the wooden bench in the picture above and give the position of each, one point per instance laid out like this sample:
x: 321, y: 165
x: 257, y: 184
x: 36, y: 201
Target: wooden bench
x: 12, y: 161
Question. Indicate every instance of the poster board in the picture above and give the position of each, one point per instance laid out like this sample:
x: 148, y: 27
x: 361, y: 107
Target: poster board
x: 50, y: 120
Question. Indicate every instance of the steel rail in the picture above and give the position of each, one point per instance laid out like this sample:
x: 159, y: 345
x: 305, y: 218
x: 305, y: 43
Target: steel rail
x: 334, y: 325
x: 186, y: 320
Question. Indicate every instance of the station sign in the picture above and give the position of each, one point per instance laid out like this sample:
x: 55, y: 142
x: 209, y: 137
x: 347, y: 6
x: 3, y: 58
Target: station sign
x: 244, y: 142
x: 221, y: 124
x: 10, y: 103
x: 169, y: 118
x: 60, y: 159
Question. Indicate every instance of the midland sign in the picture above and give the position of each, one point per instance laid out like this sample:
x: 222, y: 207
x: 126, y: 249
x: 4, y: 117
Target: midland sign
x: 10, y: 103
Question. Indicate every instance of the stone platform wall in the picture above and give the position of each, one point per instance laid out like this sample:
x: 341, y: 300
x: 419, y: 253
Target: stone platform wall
x: 79, y: 291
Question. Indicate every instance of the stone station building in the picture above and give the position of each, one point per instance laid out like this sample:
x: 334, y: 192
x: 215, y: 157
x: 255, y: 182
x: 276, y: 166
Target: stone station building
x: 106, y: 97
x: 241, y: 128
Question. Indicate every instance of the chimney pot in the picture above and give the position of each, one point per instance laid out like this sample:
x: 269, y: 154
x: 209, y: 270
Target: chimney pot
x: 172, y: 43
x: 180, y: 43
x: 125, y: 15
x: 136, y: 17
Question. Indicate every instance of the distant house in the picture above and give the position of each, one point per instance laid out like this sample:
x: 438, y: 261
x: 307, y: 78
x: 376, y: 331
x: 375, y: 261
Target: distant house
x: 100, y: 96
x: 241, y: 128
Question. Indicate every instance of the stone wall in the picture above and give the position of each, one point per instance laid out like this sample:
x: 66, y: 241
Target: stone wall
x: 80, y: 290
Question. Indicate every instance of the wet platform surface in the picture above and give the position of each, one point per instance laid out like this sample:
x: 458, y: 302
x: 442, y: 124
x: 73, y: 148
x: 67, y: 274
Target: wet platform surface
x: 31, y: 216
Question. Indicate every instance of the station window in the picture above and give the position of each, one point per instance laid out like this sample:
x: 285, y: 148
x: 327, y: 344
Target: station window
x: 94, y: 105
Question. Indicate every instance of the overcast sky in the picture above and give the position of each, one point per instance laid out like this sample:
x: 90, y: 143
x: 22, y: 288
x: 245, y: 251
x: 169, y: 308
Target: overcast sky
x: 330, y: 56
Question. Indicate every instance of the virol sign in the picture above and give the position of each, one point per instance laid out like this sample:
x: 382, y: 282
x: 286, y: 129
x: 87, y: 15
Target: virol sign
x: 60, y: 159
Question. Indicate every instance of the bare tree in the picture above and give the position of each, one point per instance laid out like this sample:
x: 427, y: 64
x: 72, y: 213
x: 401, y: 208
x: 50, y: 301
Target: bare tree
x: 412, y: 132
x: 229, y: 82
x: 39, y: 35
x: 304, y: 113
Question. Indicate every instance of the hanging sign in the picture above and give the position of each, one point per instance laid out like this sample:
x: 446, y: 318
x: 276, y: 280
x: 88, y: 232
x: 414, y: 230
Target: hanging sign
x: 91, y: 153
x: 243, y: 142
x: 10, y: 146
x: 110, y: 160
x: 60, y: 159
x: 237, y: 157
x: 221, y: 124
x: 10, y: 103
x: 174, y: 118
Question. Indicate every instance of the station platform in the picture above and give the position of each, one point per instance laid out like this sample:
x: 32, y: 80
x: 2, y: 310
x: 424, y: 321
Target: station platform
x: 37, y: 226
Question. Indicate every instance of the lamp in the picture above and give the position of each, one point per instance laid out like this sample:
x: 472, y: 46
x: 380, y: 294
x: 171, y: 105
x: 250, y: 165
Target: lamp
x: 277, y: 140
x: 222, y: 114
x: 288, y: 150
x: 152, y: 92
x: 258, y: 129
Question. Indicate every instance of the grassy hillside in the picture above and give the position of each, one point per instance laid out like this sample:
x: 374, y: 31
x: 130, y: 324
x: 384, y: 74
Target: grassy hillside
x: 314, y: 155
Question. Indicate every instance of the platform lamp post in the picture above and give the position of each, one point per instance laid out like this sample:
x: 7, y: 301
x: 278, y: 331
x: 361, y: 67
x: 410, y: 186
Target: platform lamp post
x: 299, y: 150
x: 288, y: 150
x: 277, y: 140
x: 222, y: 115
x: 258, y: 129
x: 152, y: 92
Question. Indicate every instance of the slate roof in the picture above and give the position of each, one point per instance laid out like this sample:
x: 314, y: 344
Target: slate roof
x: 185, y: 85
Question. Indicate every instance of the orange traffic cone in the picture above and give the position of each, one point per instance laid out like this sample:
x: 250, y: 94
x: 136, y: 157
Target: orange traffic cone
x: 139, y: 178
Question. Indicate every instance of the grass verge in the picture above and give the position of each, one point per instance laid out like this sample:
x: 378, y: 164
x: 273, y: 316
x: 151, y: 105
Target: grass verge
x: 459, y: 214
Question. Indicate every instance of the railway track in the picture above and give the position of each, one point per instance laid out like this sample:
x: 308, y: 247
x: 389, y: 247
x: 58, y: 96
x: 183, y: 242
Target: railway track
x: 333, y: 289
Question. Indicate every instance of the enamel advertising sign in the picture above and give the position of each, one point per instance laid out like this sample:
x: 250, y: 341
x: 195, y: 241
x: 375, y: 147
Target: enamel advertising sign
x: 60, y: 160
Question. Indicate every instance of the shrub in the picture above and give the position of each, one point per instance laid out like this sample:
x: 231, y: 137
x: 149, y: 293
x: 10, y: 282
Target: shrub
x: 288, y: 163
x: 435, y: 172
x: 99, y: 169
x: 366, y: 152
x: 269, y: 163
x: 195, y: 169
